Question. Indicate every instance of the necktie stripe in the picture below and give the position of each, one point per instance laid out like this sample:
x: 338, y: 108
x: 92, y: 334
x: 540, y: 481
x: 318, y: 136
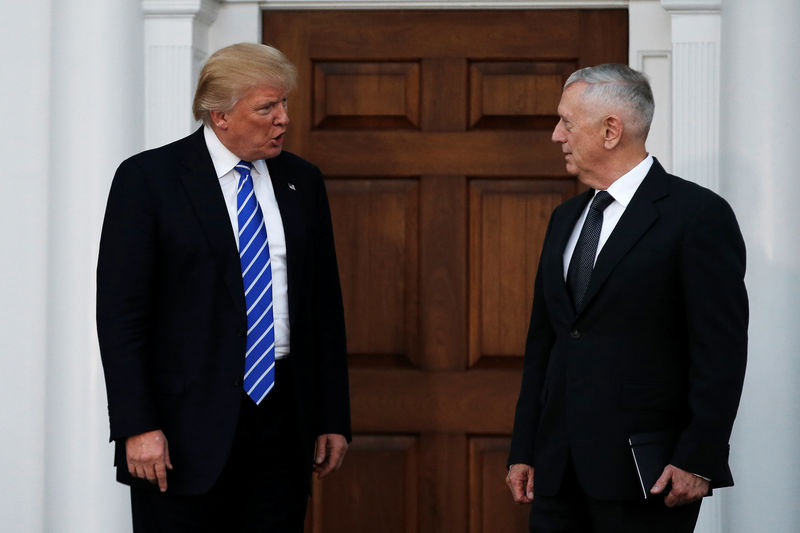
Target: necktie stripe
x: 243, y: 203
x: 258, y: 330
x: 257, y: 235
x: 259, y: 360
x: 250, y: 309
x: 262, y: 388
x: 258, y: 277
x: 260, y: 379
x: 257, y: 322
x: 243, y: 227
x: 253, y: 260
x: 254, y: 366
x: 265, y: 392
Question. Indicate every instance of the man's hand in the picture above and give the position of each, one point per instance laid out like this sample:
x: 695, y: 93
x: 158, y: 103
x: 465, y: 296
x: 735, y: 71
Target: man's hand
x: 520, y: 482
x: 148, y: 457
x: 686, y: 487
x: 329, y: 454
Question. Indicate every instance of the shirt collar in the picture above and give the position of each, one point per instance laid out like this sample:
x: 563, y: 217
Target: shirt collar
x: 223, y: 159
x: 623, y: 189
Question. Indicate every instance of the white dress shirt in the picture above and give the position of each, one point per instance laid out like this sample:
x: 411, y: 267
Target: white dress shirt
x: 622, y: 190
x: 224, y: 162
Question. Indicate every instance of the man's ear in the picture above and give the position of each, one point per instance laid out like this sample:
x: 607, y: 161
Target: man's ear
x: 612, y: 131
x: 219, y: 119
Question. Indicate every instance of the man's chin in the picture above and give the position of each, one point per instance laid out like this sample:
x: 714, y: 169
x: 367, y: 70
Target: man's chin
x: 270, y: 153
x: 572, y: 170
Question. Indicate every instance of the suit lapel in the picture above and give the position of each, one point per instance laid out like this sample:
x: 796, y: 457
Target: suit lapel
x: 638, y: 217
x: 202, y: 186
x: 560, y: 234
x: 287, y: 194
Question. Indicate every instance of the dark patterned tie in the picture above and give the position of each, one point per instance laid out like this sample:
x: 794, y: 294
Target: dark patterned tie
x: 259, y: 367
x: 582, y: 262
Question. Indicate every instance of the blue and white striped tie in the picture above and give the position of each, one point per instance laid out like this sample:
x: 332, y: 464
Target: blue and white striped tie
x: 259, y: 362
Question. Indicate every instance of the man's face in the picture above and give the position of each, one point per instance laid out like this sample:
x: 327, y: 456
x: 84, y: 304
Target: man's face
x: 580, y: 134
x: 255, y: 128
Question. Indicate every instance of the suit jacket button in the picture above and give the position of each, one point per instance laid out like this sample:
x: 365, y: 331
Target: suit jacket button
x: 237, y: 383
x: 575, y: 334
x: 242, y: 333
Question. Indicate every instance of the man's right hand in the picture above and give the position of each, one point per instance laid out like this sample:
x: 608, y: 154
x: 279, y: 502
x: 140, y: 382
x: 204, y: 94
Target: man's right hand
x: 148, y: 457
x: 520, y: 482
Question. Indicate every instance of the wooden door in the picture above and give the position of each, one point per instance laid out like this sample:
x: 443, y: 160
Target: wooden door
x: 433, y: 130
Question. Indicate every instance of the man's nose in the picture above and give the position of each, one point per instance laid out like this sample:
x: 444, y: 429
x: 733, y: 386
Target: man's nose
x: 282, y: 114
x: 558, y: 133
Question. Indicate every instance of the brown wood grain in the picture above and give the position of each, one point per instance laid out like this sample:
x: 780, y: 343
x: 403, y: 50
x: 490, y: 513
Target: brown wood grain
x: 433, y: 129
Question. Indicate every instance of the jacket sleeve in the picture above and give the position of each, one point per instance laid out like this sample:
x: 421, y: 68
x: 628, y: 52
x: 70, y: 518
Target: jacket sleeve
x: 537, y: 355
x: 712, y: 266
x: 333, y: 397
x: 125, y: 273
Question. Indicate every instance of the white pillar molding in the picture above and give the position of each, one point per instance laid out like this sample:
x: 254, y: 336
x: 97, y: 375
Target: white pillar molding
x: 695, y: 126
x: 650, y: 51
x: 238, y: 21
x: 695, y: 89
x: 95, y: 122
x: 24, y: 219
x: 760, y: 113
x: 176, y: 34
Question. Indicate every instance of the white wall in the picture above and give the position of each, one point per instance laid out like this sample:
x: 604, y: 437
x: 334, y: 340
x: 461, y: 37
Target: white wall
x: 25, y: 86
x: 96, y: 121
x: 73, y: 97
x: 760, y: 113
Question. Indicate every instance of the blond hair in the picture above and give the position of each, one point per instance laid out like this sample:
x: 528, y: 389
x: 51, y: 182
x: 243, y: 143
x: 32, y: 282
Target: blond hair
x: 232, y: 70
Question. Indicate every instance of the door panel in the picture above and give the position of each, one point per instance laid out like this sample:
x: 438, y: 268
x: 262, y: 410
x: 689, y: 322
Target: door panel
x: 433, y: 131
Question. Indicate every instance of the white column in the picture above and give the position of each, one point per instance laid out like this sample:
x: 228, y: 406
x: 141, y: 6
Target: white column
x: 695, y: 129
x: 96, y: 121
x: 23, y: 275
x: 695, y: 89
x: 176, y: 46
x: 759, y: 164
x: 650, y: 51
x: 237, y: 21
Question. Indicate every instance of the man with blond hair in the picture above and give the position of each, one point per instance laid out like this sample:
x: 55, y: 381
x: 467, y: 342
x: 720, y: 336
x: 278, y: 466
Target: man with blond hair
x: 219, y: 314
x: 637, y: 343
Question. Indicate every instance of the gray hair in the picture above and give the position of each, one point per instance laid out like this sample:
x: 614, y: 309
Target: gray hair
x: 619, y: 87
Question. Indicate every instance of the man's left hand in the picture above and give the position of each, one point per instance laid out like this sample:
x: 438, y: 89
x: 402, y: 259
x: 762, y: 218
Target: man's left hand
x: 686, y: 487
x: 329, y: 453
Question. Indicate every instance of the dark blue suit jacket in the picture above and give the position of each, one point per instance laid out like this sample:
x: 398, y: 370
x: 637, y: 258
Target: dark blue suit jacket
x: 659, y: 343
x: 171, y: 315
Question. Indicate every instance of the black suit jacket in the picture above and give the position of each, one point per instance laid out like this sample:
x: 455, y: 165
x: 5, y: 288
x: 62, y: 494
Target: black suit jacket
x: 659, y: 342
x: 171, y: 315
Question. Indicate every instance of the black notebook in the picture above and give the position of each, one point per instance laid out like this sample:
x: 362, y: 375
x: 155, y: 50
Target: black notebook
x: 651, y: 453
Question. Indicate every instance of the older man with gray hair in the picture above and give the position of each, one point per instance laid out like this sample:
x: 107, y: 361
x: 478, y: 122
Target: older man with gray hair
x: 636, y: 350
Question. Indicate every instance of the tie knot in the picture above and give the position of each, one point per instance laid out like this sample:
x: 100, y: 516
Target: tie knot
x: 244, y: 167
x: 601, y: 200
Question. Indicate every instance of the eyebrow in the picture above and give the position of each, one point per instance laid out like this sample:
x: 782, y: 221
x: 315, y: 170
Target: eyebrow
x: 269, y: 103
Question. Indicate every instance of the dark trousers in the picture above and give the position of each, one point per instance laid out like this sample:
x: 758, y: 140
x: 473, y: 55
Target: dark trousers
x: 572, y: 511
x: 262, y: 488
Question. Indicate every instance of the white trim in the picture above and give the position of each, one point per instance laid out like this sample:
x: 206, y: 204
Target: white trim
x: 695, y: 96
x: 692, y: 6
x: 440, y: 4
x: 205, y: 11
